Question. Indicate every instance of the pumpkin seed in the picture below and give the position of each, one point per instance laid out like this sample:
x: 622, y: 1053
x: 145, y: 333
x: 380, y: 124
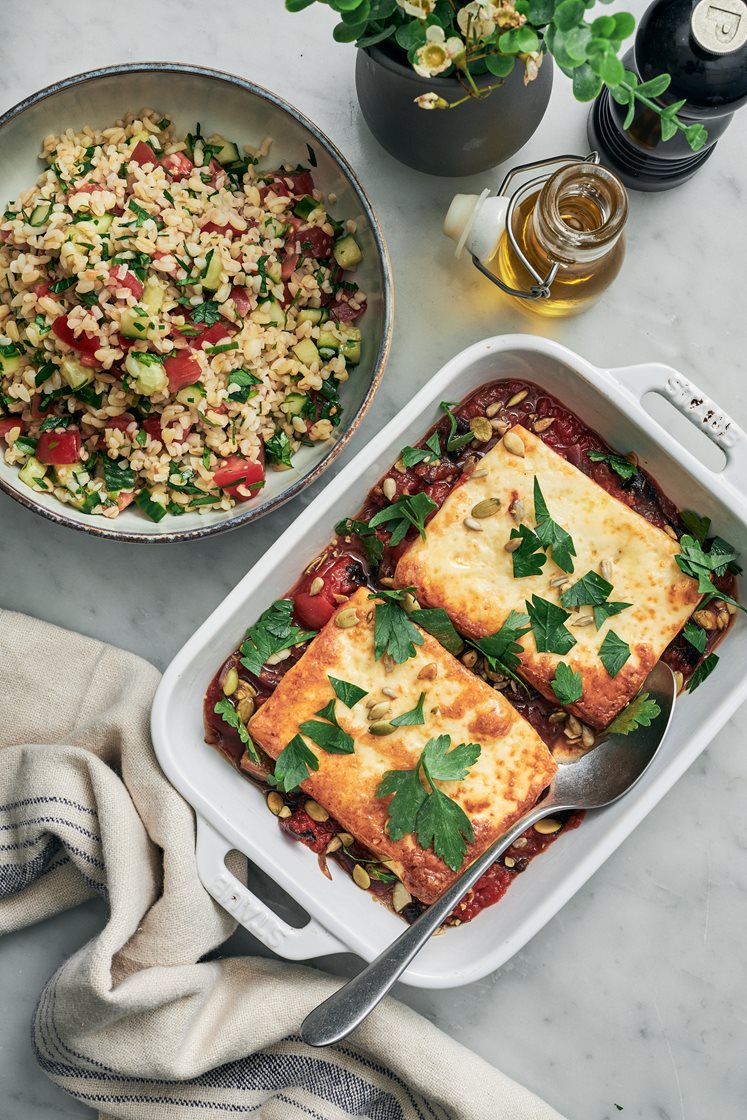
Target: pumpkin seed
x: 388, y: 663
x: 401, y: 897
x: 230, y: 682
x: 361, y: 877
x: 557, y: 717
x: 245, y: 688
x: 381, y: 727
x: 339, y: 598
x: 316, y: 586
x: 386, y: 581
x: 346, y: 839
x: 607, y: 568
x: 379, y: 710
x: 316, y: 811
x: 521, y: 842
x: 469, y: 659
x: 471, y: 523
x: 389, y: 488
x: 276, y: 658
x: 500, y: 426
x: 285, y: 812
x: 486, y: 508
x: 346, y: 619
x: 517, y: 398
x: 588, y: 738
x: 494, y: 408
x: 509, y: 861
x: 513, y: 544
x: 545, y: 423
x: 514, y: 444
x: 632, y: 458
x: 246, y: 708
x: 334, y: 846
x: 706, y: 619
x: 731, y: 608
x: 395, y: 867
x: 429, y: 672
x: 679, y: 681
x: 547, y: 826
x: 275, y: 803
x: 481, y: 428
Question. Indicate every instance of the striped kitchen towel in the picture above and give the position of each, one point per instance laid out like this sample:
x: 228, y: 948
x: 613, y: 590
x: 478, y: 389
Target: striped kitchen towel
x: 133, y: 1024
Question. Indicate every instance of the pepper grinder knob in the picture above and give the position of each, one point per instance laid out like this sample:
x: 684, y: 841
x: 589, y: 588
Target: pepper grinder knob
x: 702, y: 45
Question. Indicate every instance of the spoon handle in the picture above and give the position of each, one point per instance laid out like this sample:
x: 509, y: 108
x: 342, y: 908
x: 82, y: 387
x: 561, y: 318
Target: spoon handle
x: 346, y: 1008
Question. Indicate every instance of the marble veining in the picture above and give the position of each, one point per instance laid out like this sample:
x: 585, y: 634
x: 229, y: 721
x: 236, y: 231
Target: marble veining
x: 634, y: 995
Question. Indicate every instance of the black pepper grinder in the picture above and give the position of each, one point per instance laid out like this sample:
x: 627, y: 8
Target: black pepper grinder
x: 702, y: 44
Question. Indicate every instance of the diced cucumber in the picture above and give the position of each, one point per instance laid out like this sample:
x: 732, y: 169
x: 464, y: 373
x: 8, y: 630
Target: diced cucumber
x: 81, y: 232
x: 274, y: 272
x: 71, y: 476
x: 328, y: 341
x: 273, y: 227
x: 147, y: 371
x: 295, y: 403
x: 190, y: 394
x: 141, y: 135
x: 227, y: 152
x: 10, y: 359
x: 347, y: 252
x: 351, y: 350
x: 133, y: 324
x: 40, y: 214
x: 305, y: 206
x: 153, y: 295
x: 311, y: 315
x: 268, y: 313
x: 212, y: 277
x: 75, y: 373
x: 306, y: 352
x: 31, y: 472
x: 150, y: 507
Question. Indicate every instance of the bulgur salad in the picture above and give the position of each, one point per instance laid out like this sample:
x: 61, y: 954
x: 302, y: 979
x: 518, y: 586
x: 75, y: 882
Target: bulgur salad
x: 172, y: 319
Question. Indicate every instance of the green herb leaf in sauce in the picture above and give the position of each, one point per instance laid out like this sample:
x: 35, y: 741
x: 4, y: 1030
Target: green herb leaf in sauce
x: 502, y: 649
x: 621, y: 466
x: 695, y: 524
x: 436, y: 622
x: 567, y: 684
x: 372, y: 546
x: 640, y: 712
x: 697, y: 637
x: 225, y: 709
x: 293, y: 765
x: 411, y: 510
x: 703, y: 671
x: 453, y: 440
x: 273, y: 631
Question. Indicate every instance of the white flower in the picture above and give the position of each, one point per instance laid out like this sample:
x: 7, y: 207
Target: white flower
x: 431, y: 101
x: 476, y: 20
x: 532, y: 63
x: 438, y: 53
x: 506, y: 16
x: 418, y: 8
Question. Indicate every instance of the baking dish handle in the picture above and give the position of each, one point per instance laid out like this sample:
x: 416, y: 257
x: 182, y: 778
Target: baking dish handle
x: 693, y: 403
x: 311, y: 940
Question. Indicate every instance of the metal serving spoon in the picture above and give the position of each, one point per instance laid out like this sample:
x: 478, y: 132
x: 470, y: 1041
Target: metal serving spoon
x: 595, y: 780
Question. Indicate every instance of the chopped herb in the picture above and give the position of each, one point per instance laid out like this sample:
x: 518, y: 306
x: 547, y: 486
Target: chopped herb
x: 88, y: 395
x: 273, y: 631
x: 41, y: 322
x: 63, y: 285
x: 142, y: 214
x: 548, y: 626
x: 703, y: 671
x: 329, y: 736
x: 207, y: 312
x: 613, y: 653
x: 52, y: 422
x: 244, y: 380
x: 413, y: 718
x: 411, y: 510
x: 206, y: 500
x: 700, y: 565
x: 621, y: 466
x: 225, y: 709
x: 25, y: 444
x: 501, y: 650
x: 88, y: 299
x: 163, y: 123
x: 697, y: 525
x: 142, y: 438
x: 293, y: 765
x: 554, y: 538
x: 697, y: 637
x: 394, y: 633
x: 411, y: 456
x: 372, y: 546
x: 437, y: 622
x: 590, y: 590
x: 434, y: 817
x: 528, y: 559
x: 567, y: 684
x: 169, y: 197
x: 603, y: 611
x: 349, y: 693
x: 312, y: 155
x: 44, y: 373
x: 454, y: 441
x: 640, y: 712
x: 261, y: 269
x: 208, y: 258
x: 723, y: 554
x: 222, y: 349
x: 278, y: 448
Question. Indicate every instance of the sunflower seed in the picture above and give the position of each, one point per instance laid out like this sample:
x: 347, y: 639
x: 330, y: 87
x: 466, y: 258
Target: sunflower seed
x: 557, y: 717
x: 588, y: 738
x: 361, y: 877
x: 607, y: 568
x: 559, y: 581
x: 316, y: 811
x: 573, y: 725
x: 346, y: 619
x: 517, y: 398
x: 395, y: 867
x: 285, y: 812
x: 486, y: 508
x: 494, y: 408
x: 339, y: 598
x: 381, y: 727
x: 276, y: 658
x: 245, y: 688
x: 370, y: 615
x: 429, y: 672
x: 513, y: 544
x: 316, y: 586
x: 390, y: 693
x: 514, y: 444
x: 388, y: 663
x: 471, y: 523
x: 548, y: 826
x: 731, y: 608
x: 480, y: 428
x: 400, y: 467
x: 518, y: 510
x: 379, y: 710
x: 274, y: 803
x: 389, y: 488
x: 509, y: 861
x: 500, y: 426
x: 401, y: 897
x: 545, y: 423
x: 584, y: 620
x: 670, y: 532
x: 482, y: 473
x: 334, y: 846
x: 520, y: 843
x: 679, y: 681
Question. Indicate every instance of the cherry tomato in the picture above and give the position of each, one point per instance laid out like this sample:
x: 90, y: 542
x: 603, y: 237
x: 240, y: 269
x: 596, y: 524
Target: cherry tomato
x: 288, y: 266
x: 85, y: 343
x: 303, y: 182
x: 41, y: 290
x: 241, y: 299
x: 211, y: 336
x: 315, y: 242
x: 121, y: 423
x: 123, y: 498
x: 313, y: 611
x: 239, y: 477
x: 177, y: 165
x: 341, y: 576
x: 121, y: 277
x: 142, y: 154
x: 182, y: 369
x: 59, y: 447
x: 344, y: 313
x: 152, y: 425
x: 36, y: 409
x: 212, y: 227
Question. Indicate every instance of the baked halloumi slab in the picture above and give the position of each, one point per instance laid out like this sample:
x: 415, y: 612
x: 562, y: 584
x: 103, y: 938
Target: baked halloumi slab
x: 513, y: 767
x: 469, y: 572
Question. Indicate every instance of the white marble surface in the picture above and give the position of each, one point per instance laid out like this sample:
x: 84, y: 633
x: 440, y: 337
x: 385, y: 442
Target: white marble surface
x: 635, y: 995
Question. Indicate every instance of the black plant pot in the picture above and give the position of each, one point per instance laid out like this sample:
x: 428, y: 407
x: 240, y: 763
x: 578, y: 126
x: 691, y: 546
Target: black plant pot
x: 463, y: 141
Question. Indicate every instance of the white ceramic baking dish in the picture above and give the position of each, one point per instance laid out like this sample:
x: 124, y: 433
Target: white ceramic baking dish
x: 231, y: 812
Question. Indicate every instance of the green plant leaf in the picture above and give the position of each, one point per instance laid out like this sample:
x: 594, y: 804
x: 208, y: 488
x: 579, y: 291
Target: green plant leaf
x: 620, y: 465
x: 382, y: 9
x: 540, y: 12
x: 587, y: 84
x: 500, y: 64
x: 329, y: 736
x: 630, y: 115
x: 298, y: 5
x: 613, y: 653
x: 621, y: 95
x: 624, y: 25
x: 567, y: 684
x: 446, y: 765
x: 348, y: 32
x: 409, y: 795
x: 521, y: 39
x: 610, y: 69
x: 346, y: 5
x: 696, y: 136
x: 654, y: 87
x: 696, y: 636
x: 703, y: 670
x: 603, y: 26
x: 444, y: 824
x: 349, y: 693
x: 394, y: 633
x: 668, y: 128
x: 411, y: 35
x: 437, y: 623
x: 413, y: 718
x: 568, y: 14
x: 698, y: 526
x: 553, y: 537
x: 590, y: 590
x: 640, y: 712
x: 376, y: 37
x: 548, y: 626
x: 572, y: 44
x: 293, y: 765
x: 360, y: 14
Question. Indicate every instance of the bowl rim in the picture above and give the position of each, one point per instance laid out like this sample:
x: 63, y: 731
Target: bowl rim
x: 251, y: 514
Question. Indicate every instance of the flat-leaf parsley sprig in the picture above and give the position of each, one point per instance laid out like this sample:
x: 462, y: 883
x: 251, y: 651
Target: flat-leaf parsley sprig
x: 273, y: 632
x: 394, y: 633
x: 419, y: 807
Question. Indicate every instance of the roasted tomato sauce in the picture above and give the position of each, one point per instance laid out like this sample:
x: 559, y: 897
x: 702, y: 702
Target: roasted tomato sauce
x: 345, y: 566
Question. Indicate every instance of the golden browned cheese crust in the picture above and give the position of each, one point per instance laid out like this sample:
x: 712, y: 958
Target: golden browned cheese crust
x: 470, y: 574
x: 513, y: 768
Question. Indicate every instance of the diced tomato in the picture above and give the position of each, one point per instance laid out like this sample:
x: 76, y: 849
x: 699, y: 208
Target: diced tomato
x: 121, y: 277
x: 286, y: 299
x: 121, y: 423
x: 152, y: 425
x: 303, y: 182
x: 87, y: 188
x: 238, y: 477
x: 124, y: 344
x: 215, y: 170
x: 41, y: 290
x: 288, y: 266
x: 344, y: 313
x: 36, y: 410
x: 85, y: 343
x: 241, y: 299
x: 212, y: 227
x: 341, y: 575
x: 315, y: 242
x: 90, y: 361
x: 177, y: 165
x: 123, y: 499
x: 7, y: 423
x: 59, y: 447
x: 143, y: 154
x: 182, y: 369
x: 211, y: 336
x: 314, y: 611
x: 158, y: 256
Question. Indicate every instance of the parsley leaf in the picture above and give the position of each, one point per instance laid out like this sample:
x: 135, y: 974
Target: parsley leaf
x: 554, y: 538
x: 278, y: 448
x: 207, y: 312
x: 590, y: 590
x: 703, y: 671
x: 63, y: 285
x: 640, y: 712
x: 118, y: 476
x: 349, y: 693
x: 603, y: 611
x: 372, y: 546
x: 293, y: 765
x: 454, y: 441
x: 613, y: 653
x: 696, y: 524
x: 394, y: 633
x: 548, y: 626
x: 411, y: 510
x: 567, y: 684
x: 413, y: 718
x: 446, y: 765
x: 437, y: 623
x: 329, y: 736
x: 409, y: 795
x: 242, y: 382
x: 694, y: 562
x: 697, y: 637
x: 273, y: 631
x: 724, y: 556
x: 52, y: 422
x: 621, y: 466
x: 443, y: 823
x: 141, y: 212
x: 225, y: 709
x: 411, y: 456
x: 528, y: 558
x: 501, y: 650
